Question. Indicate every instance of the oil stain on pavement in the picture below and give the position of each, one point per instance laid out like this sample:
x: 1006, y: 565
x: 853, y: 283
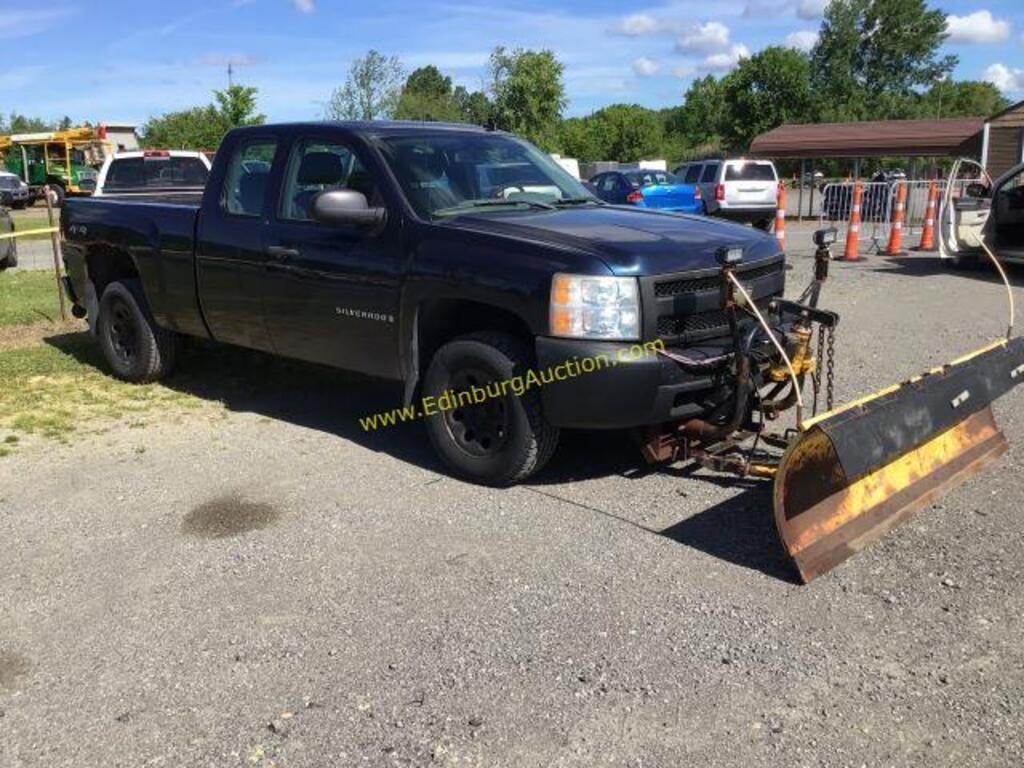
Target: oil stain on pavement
x: 12, y: 666
x: 228, y: 516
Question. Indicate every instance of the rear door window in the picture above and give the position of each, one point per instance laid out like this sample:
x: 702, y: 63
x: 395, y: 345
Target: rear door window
x: 245, y: 183
x: 693, y: 174
x: 750, y: 172
x: 152, y: 173
x: 710, y: 174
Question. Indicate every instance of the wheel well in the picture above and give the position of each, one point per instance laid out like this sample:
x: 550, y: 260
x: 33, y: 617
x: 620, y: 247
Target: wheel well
x: 106, y: 265
x: 443, y: 320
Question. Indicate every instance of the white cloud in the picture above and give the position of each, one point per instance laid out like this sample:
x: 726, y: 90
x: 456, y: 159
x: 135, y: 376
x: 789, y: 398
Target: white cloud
x: 638, y: 24
x: 709, y: 38
x: 811, y: 9
x: 977, y: 27
x: 1006, y: 79
x: 756, y: 9
x: 645, y: 66
x: 304, y: 6
x: 726, y: 60
x: 802, y: 40
x: 683, y: 71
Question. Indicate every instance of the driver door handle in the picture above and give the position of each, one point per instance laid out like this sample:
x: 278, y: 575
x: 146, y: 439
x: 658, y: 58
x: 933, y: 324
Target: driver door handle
x: 282, y: 253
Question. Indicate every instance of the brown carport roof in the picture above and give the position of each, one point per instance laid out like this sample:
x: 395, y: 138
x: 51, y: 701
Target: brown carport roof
x: 906, y: 138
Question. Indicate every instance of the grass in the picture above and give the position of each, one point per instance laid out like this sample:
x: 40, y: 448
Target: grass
x: 27, y: 297
x: 31, y: 218
x: 55, y: 389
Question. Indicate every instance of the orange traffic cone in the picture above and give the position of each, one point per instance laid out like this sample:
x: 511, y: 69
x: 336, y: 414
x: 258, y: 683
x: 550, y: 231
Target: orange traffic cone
x: 853, y: 231
x: 780, y: 217
x: 895, y: 247
x: 928, y: 233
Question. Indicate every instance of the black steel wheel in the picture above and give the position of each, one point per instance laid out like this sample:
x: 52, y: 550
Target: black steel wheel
x: 136, y: 348
x: 482, y: 430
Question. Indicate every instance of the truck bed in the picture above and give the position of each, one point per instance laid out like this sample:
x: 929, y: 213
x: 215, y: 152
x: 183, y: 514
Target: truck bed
x: 156, y: 233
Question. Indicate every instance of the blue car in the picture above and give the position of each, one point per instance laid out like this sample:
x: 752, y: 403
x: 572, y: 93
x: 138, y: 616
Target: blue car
x: 648, y: 189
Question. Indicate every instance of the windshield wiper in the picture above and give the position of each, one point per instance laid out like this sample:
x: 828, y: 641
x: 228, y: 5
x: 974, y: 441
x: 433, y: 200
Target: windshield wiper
x: 579, y: 201
x: 469, y: 205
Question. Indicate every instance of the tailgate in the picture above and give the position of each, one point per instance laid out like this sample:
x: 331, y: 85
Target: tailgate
x: 750, y: 183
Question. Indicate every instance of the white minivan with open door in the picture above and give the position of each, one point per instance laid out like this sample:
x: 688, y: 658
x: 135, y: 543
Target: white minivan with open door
x: 978, y: 214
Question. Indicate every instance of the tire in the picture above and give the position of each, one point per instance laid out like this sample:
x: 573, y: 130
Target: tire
x: 764, y: 225
x: 135, y: 347
x: 501, y: 441
x: 19, y: 205
x: 12, y: 257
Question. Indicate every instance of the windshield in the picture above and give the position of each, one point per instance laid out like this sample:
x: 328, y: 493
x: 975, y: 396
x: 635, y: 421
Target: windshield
x: 9, y: 182
x: 450, y: 174
x: 647, y: 178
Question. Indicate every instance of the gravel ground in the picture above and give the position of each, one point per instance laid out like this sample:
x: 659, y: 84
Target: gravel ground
x: 280, y: 589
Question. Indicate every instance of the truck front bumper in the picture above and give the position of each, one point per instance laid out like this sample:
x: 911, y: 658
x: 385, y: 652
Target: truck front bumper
x: 615, y: 385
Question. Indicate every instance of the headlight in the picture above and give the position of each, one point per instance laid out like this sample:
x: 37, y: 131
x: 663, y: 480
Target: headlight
x: 585, y: 307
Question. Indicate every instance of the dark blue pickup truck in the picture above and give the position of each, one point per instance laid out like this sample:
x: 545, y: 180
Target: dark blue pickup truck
x: 445, y: 256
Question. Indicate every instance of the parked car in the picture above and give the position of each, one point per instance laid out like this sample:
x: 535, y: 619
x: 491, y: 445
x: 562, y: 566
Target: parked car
x: 648, y: 189
x: 14, y: 193
x: 384, y: 248
x: 153, y: 172
x: 981, y: 212
x: 739, y: 190
x: 8, y: 246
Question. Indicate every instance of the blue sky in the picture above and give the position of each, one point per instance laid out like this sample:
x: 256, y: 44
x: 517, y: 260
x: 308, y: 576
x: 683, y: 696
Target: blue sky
x: 124, y: 61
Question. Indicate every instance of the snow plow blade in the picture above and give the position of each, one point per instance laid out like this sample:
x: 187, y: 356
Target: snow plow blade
x: 856, y: 472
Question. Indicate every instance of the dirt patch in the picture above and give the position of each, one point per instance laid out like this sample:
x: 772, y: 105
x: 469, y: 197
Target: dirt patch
x: 228, y: 516
x: 21, y: 336
x: 12, y: 666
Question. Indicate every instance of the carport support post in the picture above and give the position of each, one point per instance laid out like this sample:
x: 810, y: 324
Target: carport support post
x: 810, y: 206
x: 800, y: 192
x: 57, y: 258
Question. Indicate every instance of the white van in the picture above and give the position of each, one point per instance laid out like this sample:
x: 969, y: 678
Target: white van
x: 737, y: 189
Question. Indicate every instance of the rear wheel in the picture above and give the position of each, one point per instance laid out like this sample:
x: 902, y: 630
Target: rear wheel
x: 10, y: 261
x: 483, y: 431
x: 763, y: 224
x: 136, y: 348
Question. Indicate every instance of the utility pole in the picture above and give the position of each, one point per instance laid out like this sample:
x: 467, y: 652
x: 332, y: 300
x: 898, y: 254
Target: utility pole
x: 231, y: 72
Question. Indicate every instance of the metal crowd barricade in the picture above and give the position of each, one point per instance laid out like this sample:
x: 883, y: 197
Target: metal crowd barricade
x: 876, y: 209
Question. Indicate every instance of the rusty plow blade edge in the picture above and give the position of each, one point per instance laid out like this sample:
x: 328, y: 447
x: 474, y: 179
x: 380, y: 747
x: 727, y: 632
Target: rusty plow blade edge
x: 857, y: 472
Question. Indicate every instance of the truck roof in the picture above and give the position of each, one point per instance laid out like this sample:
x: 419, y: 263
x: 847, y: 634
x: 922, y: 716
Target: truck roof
x: 378, y: 127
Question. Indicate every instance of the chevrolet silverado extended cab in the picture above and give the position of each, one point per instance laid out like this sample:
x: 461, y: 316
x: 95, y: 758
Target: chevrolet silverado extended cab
x: 444, y: 256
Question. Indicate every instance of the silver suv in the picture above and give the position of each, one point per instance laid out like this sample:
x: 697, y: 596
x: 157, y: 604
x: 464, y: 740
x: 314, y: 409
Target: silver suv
x: 738, y: 189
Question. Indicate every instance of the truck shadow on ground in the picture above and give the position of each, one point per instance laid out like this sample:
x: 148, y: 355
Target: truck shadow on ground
x: 738, y: 530
x: 928, y: 265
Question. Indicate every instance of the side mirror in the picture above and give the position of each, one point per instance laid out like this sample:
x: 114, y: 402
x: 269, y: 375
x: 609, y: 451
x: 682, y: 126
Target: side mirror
x: 347, y: 208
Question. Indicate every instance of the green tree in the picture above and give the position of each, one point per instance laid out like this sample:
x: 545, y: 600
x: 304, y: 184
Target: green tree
x: 579, y: 137
x: 767, y: 89
x: 529, y: 95
x: 427, y: 95
x: 236, y: 106
x: 203, y: 127
x: 371, y: 91
x: 968, y: 98
x: 17, y: 123
x: 195, y: 128
x: 628, y: 132
x: 473, y: 106
x: 701, y: 119
x: 874, y: 56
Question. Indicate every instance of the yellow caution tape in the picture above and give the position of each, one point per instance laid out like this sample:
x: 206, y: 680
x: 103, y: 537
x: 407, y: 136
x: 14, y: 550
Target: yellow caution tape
x: 12, y: 235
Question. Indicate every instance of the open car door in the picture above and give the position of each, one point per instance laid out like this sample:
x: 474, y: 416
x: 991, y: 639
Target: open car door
x: 965, y: 214
x: 1005, y: 228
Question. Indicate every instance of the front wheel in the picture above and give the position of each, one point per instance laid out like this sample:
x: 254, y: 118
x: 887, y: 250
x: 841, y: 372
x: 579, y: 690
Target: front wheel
x: 59, y: 195
x: 137, y: 349
x: 482, y: 429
